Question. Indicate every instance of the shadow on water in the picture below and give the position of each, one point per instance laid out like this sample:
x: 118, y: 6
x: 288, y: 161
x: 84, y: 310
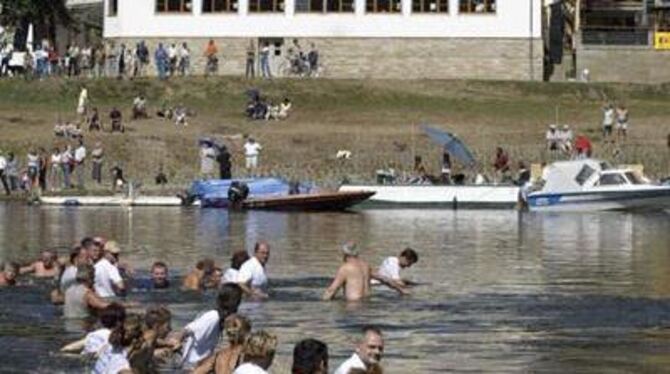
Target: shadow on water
x: 500, y: 291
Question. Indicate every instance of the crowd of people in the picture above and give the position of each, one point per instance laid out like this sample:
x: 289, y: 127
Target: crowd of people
x: 94, y: 281
x: 131, y: 61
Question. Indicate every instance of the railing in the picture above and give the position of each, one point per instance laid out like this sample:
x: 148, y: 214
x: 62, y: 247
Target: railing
x: 615, y: 36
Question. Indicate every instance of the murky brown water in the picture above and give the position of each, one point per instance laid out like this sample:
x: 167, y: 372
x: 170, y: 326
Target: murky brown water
x: 503, y: 292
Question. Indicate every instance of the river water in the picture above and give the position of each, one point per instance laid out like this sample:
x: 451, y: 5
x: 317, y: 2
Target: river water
x: 501, y: 291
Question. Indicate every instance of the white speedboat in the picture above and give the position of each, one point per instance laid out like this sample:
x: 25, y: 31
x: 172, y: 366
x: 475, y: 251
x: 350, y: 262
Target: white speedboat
x: 439, y: 196
x: 592, y: 185
x: 112, y: 201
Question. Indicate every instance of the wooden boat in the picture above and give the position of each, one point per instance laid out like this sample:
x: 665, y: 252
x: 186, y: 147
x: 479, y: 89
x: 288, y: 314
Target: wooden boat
x: 324, y: 201
x: 111, y: 201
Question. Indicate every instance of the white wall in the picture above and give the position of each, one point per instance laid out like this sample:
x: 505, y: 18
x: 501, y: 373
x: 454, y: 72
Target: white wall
x: 136, y: 18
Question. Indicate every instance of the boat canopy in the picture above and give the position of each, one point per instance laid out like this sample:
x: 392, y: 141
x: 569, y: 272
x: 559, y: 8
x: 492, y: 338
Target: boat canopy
x: 576, y: 175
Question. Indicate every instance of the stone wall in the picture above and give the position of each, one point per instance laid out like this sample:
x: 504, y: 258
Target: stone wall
x: 628, y: 64
x: 418, y: 58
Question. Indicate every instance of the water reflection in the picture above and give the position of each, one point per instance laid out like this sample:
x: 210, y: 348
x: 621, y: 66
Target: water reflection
x: 502, y: 291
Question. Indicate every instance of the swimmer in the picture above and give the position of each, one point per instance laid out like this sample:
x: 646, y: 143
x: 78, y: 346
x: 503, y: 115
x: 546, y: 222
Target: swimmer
x: 123, y: 342
x: 258, y: 353
x: 81, y: 299
x: 8, y: 275
x: 368, y: 353
x: 201, y: 336
x: 152, y: 346
x: 46, y: 267
x: 110, y: 318
x: 237, y: 329
x: 236, y: 262
x: 159, y: 278
x: 108, y: 280
x: 390, y: 268
x: 197, y: 279
x: 355, y: 275
x: 252, y: 277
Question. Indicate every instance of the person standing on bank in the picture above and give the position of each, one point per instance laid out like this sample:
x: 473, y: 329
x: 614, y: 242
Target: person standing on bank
x: 251, y: 60
x: 79, y: 159
x: 223, y: 158
x: 251, y: 151
x: 97, y: 156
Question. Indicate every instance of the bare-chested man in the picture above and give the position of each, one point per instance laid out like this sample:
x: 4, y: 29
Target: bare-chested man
x: 354, y: 275
x: 46, y: 267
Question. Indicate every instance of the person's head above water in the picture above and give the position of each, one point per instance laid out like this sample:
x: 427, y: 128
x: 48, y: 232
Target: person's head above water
x: 310, y: 356
x: 159, y: 275
x: 370, y: 348
x: 112, y: 316
x: 49, y: 258
x: 262, y: 252
x: 349, y: 249
x: 159, y: 319
x: 228, y: 300
x: 237, y: 328
x: 85, y: 274
x: 407, y: 258
x: 260, y: 349
x: 10, y: 271
x: 238, y: 258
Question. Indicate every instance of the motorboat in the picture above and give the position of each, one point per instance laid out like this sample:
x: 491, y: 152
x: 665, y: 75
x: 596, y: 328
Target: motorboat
x: 320, y: 201
x: 489, y: 196
x: 593, y: 185
x: 117, y: 200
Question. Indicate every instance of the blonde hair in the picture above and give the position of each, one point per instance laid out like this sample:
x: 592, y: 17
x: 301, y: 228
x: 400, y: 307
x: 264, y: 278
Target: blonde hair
x: 259, y: 346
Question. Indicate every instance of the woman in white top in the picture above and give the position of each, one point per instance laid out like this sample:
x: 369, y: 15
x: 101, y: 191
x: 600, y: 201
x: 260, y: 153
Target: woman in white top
x: 236, y: 261
x: 124, y: 340
x: 55, y: 169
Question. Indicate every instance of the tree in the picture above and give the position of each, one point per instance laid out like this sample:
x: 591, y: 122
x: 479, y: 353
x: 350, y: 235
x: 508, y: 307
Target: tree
x: 43, y: 14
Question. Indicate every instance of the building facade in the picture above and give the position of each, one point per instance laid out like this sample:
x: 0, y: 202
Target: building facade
x: 430, y: 39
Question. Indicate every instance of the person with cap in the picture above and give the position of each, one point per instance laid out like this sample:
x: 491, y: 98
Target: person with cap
x: 355, y: 276
x: 108, y: 280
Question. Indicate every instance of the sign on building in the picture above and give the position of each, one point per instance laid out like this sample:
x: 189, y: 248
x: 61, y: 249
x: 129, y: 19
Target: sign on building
x: 662, y: 40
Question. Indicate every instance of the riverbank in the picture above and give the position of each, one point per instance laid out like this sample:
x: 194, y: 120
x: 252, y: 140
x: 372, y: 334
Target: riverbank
x: 376, y: 120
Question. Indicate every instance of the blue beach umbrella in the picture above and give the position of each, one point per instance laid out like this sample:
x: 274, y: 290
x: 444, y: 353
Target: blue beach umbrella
x: 451, y: 143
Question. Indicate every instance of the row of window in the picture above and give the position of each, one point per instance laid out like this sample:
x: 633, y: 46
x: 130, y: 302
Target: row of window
x: 317, y: 6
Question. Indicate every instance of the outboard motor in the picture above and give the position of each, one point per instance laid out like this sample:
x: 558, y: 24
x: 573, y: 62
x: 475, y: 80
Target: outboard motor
x: 238, y: 192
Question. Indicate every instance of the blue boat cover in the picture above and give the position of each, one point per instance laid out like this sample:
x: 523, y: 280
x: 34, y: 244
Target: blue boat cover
x: 214, y: 192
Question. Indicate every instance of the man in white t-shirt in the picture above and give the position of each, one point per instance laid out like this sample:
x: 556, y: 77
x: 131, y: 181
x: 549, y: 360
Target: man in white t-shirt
x: 252, y: 277
x: 108, y: 280
x: 251, y: 151
x: 79, y: 158
x: 202, y: 335
x: 390, y: 268
x: 368, y: 354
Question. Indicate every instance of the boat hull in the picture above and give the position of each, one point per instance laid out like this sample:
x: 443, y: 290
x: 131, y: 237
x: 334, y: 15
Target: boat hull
x: 111, y: 201
x: 436, y: 196
x: 647, y: 199
x: 308, y: 202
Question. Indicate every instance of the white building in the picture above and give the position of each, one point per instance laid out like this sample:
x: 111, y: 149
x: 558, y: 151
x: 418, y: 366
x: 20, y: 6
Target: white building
x: 485, y: 39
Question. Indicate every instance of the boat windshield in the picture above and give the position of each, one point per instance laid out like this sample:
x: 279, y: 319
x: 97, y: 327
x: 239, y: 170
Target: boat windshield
x: 611, y: 179
x: 634, y: 178
x: 584, y: 174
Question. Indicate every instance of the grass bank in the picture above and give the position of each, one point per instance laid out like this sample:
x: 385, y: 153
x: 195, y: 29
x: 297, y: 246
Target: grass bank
x: 376, y: 120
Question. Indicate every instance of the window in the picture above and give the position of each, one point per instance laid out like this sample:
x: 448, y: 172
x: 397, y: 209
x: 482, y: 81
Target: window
x: 584, y: 174
x: 323, y: 6
x: 430, y: 6
x: 383, y: 6
x: 266, y: 5
x: 113, y: 8
x: 634, y: 178
x: 611, y: 180
x: 216, y: 6
x: 174, y: 6
x: 477, y: 6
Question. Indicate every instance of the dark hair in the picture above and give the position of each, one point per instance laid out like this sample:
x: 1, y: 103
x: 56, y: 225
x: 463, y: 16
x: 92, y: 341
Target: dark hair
x: 85, y: 274
x: 159, y: 264
x: 410, y: 255
x: 87, y: 241
x: 308, y: 354
x: 113, y: 315
x: 229, y: 299
x: 370, y: 328
x: 238, y: 258
x: 206, y: 265
x: 74, y: 254
x: 157, y: 315
x: 257, y: 246
x: 127, y: 333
